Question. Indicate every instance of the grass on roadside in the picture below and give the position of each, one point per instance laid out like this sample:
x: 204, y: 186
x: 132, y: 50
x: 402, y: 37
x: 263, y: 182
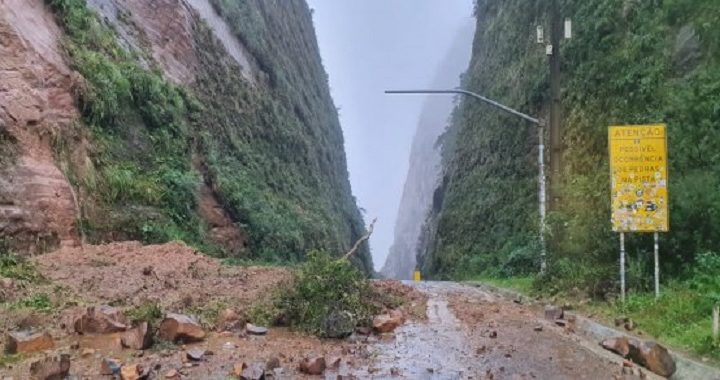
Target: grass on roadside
x: 520, y: 284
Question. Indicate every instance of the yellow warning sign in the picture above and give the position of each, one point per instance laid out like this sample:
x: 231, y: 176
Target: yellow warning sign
x: 638, y: 178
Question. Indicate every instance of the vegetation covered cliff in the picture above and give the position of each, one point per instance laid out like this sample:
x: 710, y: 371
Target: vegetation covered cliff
x: 424, y: 162
x: 627, y: 62
x: 209, y: 122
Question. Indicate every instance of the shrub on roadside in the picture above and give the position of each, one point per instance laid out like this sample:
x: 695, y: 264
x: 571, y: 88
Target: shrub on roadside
x: 327, y: 297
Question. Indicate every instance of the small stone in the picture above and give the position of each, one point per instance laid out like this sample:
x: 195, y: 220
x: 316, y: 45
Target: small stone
x: 561, y: 322
x: 394, y: 371
x: 314, y: 366
x: 148, y: 270
x: 229, y: 346
x: 363, y: 330
x: 621, y: 321
x: 254, y: 371
x: 133, y: 372
x: 51, y: 367
x: 272, y: 363
x: 335, y: 363
x: 538, y: 328
x: 196, y: 354
x: 630, y: 325
x: 493, y: 334
x: 7, y: 283
x: 255, y: 330
x: 110, y: 366
x: 229, y: 320
x: 238, y: 369
x: 24, y: 342
x: 87, y: 352
x: 172, y: 374
x: 179, y: 327
x: 553, y: 312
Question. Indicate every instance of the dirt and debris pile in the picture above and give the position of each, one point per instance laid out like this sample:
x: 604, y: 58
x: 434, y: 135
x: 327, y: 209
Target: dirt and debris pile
x: 173, y: 276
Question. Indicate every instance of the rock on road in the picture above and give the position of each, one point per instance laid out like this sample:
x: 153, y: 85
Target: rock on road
x: 473, y: 334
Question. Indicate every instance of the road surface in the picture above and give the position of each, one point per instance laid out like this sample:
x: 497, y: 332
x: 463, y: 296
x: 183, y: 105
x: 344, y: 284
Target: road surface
x: 472, y: 334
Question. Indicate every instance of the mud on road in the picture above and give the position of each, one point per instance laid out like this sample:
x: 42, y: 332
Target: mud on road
x: 472, y: 334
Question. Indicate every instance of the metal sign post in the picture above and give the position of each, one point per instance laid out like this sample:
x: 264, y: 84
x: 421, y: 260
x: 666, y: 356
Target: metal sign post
x: 656, y: 248
x: 622, y: 266
x: 639, y: 187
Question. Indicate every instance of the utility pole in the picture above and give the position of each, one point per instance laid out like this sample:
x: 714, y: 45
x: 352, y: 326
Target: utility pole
x: 541, y: 154
x: 555, y: 128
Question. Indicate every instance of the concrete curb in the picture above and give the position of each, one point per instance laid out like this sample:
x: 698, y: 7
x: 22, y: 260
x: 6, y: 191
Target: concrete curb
x: 687, y: 369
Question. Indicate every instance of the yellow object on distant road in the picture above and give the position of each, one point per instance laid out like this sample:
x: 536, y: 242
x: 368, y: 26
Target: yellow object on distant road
x: 416, y: 276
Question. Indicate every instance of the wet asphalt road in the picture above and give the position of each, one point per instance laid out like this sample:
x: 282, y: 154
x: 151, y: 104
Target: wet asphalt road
x: 473, y: 334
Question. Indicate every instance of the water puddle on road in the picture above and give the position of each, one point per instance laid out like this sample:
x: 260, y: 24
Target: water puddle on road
x: 433, y: 349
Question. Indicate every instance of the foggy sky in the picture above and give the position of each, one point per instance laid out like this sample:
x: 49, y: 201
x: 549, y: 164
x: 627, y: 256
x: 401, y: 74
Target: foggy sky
x: 368, y: 46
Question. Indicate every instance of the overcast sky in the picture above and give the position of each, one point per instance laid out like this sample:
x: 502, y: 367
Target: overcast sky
x: 369, y: 46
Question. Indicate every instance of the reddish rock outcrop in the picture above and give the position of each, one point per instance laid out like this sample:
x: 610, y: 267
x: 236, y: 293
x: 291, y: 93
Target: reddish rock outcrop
x: 37, y: 206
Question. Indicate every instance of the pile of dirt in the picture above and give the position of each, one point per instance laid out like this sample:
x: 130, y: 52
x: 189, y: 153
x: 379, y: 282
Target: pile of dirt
x: 172, y: 275
x: 394, y: 295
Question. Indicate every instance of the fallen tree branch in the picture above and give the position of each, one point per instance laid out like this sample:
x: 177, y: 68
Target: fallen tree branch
x: 361, y: 240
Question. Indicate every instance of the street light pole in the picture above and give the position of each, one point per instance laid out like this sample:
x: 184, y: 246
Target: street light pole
x: 542, y: 180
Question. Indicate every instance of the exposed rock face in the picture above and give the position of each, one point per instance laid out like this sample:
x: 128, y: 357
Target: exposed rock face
x: 37, y: 206
x: 52, y: 161
x: 222, y: 229
x: 424, y: 168
x: 25, y: 342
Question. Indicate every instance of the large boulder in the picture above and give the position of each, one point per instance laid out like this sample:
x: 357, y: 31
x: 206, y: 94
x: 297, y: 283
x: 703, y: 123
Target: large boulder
x: 620, y: 345
x: 24, y: 342
x: 137, y: 338
x: 313, y: 366
x: 179, y: 327
x: 648, y: 354
x: 654, y: 357
x: 50, y: 368
x: 385, y: 323
x: 101, y: 320
x: 339, y: 324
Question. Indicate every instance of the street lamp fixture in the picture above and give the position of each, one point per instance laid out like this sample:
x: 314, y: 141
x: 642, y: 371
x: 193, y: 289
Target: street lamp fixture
x: 542, y: 180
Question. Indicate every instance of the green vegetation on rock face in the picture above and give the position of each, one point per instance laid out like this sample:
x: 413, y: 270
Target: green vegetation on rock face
x: 271, y: 152
x: 140, y: 173
x: 283, y: 174
x: 628, y: 62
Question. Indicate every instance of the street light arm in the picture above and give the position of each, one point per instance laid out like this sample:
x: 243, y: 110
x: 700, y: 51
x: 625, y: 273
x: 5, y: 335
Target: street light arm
x: 538, y: 122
